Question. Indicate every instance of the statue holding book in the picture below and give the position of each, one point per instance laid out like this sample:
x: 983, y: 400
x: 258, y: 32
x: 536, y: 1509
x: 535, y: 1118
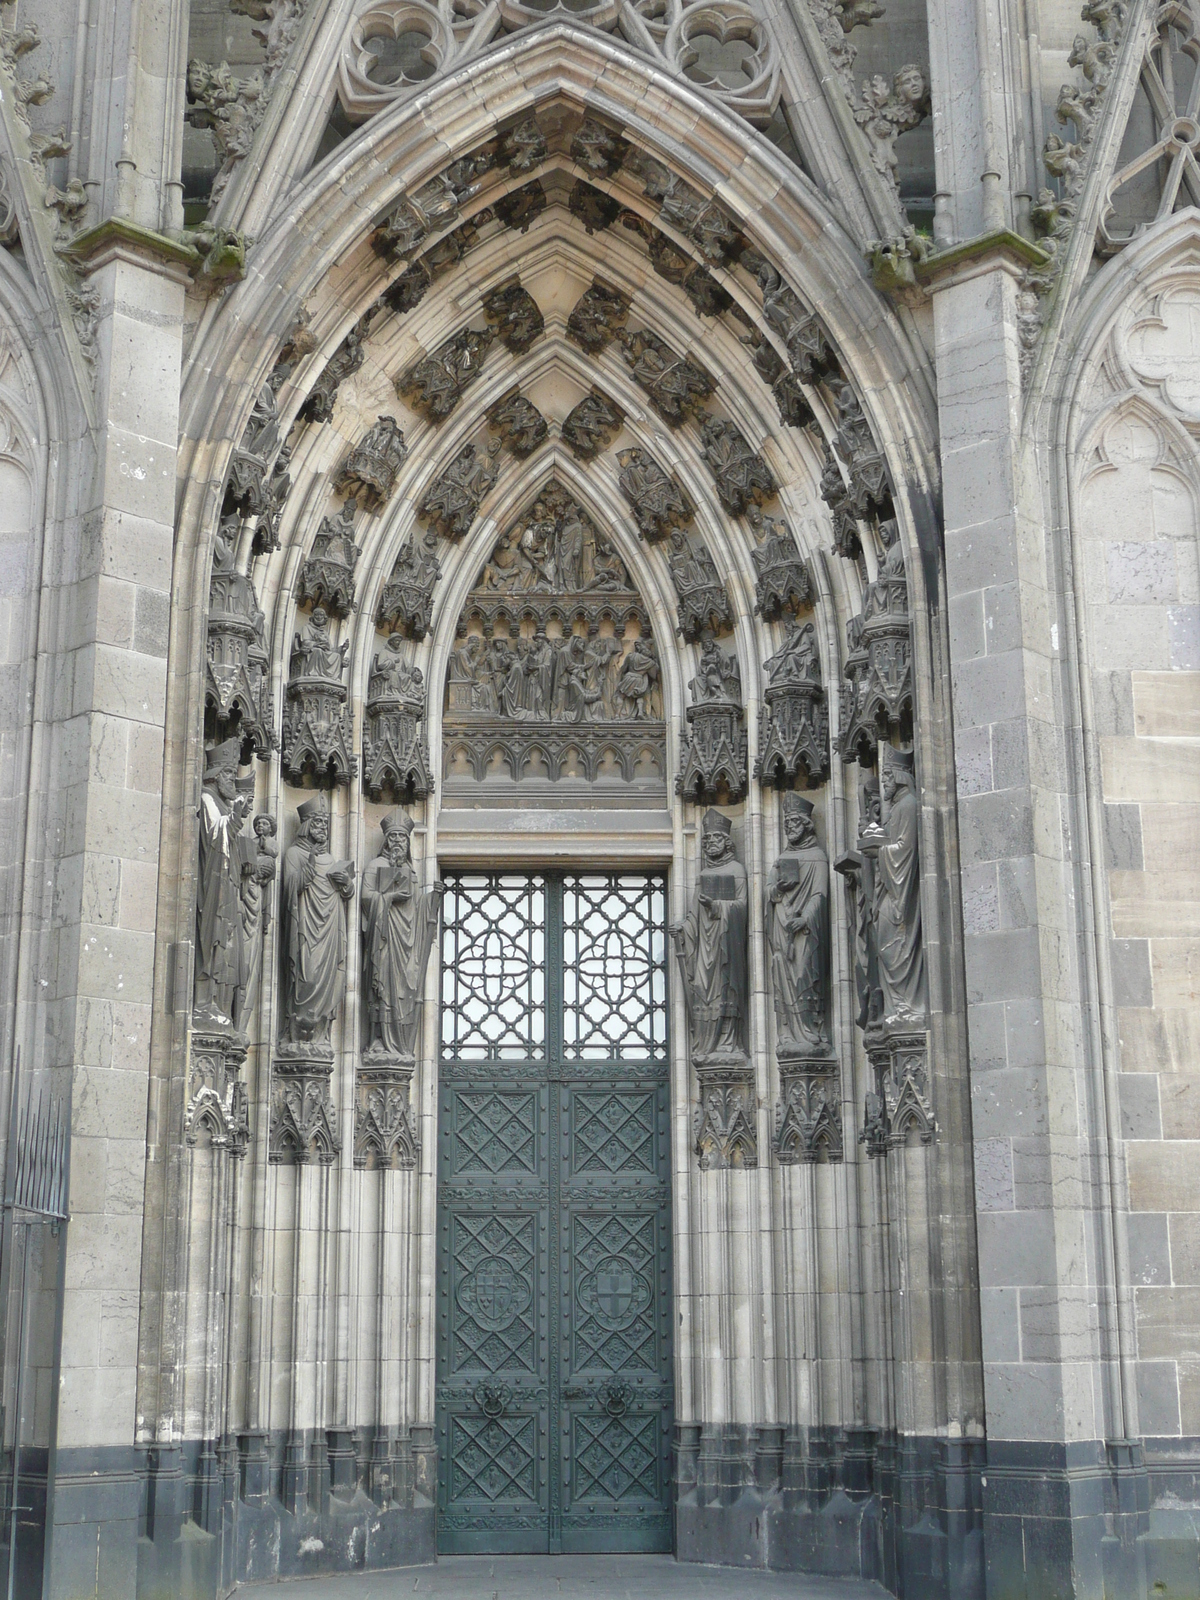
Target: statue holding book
x: 798, y: 934
x: 313, y: 927
x: 711, y: 947
x: 398, y: 925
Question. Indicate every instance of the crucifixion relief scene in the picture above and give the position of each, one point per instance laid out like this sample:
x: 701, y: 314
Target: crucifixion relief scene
x: 600, y: 913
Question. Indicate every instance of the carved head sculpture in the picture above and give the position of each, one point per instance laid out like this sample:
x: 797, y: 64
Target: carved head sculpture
x: 895, y: 771
x: 716, y: 837
x: 798, y: 825
x: 314, y: 822
x: 220, y: 772
x: 265, y: 826
x: 320, y: 620
x: 909, y: 85
x: 397, y: 829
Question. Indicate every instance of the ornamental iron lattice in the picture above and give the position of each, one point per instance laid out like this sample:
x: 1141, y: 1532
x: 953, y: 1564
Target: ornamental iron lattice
x: 493, y: 968
x: 614, y: 968
x: 554, y: 1395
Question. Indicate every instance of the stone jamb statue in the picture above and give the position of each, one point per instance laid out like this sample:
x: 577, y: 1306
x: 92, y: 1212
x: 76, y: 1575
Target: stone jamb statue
x: 711, y: 947
x: 315, y: 890
x: 798, y: 936
x: 219, y: 962
x: 896, y: 911
x: 399, y: 923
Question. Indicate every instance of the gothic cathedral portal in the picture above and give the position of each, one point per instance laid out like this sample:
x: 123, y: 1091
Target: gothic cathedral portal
x: 554, y: 1349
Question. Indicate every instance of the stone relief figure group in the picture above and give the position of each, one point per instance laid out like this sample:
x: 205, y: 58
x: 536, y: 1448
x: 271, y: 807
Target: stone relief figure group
x: 549, y: 554
x: 568, y: 678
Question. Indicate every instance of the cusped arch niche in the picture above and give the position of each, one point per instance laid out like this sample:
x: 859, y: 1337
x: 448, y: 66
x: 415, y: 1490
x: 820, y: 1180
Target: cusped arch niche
x: 553, y: 690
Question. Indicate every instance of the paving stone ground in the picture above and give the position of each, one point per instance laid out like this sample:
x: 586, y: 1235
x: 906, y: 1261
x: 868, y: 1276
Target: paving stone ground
x: 569, y: 1578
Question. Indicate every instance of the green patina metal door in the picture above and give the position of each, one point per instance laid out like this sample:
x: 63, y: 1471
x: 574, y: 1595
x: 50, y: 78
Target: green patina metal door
x: 554, y: 1380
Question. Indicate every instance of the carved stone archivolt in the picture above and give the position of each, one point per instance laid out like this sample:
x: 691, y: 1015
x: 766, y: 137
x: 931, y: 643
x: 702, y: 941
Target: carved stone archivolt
x: 782, y: 579
x: 237, y: 667
x: 703, y: 599
x: 659, y: 504
x: 711, y: 947
x: 516, y: 315
x: 246, y: 486
x: 555, y: 674
x: 372, y: 467
x: 395, y: 757
x: 702, y: 221
x: 406, y: 604
x: 520, y: 424
x: 793, y: 741
x: 877, y: 691
x: 327, y: 576
x: 855, y: 484
x: 435, y: 384
x: 453, y: 500
x: 344, y: 363
x: 428, y: 209
x: 713, y: 768
x: 677, y: 388
x: 741, y: 477
x: 598, y: 316
x: 595, y: 209
x: 317, y: 725
x: 590, y: 426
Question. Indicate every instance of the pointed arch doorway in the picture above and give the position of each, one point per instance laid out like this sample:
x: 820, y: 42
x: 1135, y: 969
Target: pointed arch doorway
x: 555, y: 1400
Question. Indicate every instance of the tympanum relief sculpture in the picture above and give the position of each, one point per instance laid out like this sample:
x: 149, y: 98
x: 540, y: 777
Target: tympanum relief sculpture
x: 554, y: 674
x: 399, y: 922
x: 711, y: 947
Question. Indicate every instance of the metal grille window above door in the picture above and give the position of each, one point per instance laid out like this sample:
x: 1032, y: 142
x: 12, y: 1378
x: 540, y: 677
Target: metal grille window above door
x: 554, y: 1397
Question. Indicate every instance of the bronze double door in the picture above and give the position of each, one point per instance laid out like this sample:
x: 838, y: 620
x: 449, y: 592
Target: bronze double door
x: 554, y: 1360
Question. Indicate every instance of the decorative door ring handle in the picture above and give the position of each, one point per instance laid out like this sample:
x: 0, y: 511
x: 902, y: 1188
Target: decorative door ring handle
x: 616, y: 1397
x: 492, y: 1399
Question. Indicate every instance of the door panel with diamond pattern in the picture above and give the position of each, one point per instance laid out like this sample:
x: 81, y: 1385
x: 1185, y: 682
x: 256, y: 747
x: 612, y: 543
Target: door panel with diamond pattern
x: 554, y: 1390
